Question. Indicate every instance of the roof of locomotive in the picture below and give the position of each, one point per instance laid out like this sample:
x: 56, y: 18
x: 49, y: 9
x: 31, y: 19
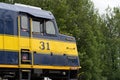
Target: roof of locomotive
x: 34, y: 11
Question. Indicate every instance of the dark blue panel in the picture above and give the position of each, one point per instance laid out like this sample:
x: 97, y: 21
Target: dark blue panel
x: 25, y: 33
x: 8, y: 27
x: 15, y: 24
x: 9, y: 20
x: 37, y: 35
x: 11, y: 57
x: 44, y: 59
x: 1, y: 26
x: 72, y: 61
x: 8, y: 57
x: 2, y: 57
x: 36, y: 59
x: 60, y: 60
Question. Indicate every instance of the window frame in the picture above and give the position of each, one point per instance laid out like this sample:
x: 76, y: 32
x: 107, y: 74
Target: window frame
x: 40, y: 27
x: 46, y: 29
x: 23, y: 28
x: 32, y: 30
x: 43, y: 32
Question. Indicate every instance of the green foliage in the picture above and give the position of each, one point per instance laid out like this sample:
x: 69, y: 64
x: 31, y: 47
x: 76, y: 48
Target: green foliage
x: 112, y: 44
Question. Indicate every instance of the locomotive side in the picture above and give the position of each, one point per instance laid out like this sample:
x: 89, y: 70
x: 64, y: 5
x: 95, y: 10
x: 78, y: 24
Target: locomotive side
x: 31, y: 46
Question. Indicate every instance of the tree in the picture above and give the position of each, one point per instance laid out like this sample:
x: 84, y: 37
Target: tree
x: 112, y: 45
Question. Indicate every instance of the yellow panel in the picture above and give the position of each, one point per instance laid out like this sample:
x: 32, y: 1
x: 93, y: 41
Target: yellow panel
x: 25, y: 66
x: 64, y: 47
x: 51, y: 67
x: 57, y: 47
x: 1, y: 42
x: 10, y: 42
x: 34, y: 44
x: 40, y: 67
x: 56, y: 67
x: 24, y: 42
x: 9, y: 66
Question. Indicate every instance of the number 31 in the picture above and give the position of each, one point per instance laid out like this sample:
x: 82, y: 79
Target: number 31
x: 44, y: 45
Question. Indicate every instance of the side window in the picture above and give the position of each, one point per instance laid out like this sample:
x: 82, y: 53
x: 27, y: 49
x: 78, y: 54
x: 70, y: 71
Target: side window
x: 24, y: 25
x: 24, y: 22
x: 35, y: 26
x: 50, y: 29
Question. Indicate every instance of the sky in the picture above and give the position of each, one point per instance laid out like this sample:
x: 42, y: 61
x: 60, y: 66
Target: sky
x: 103, y: 4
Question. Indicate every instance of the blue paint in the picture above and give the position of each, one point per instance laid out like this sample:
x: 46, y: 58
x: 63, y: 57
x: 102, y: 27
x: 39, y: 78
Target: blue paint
x: 8, y: 57
x: 1, y: 26
x: 8, y: 22
x: 32, y: 11
x: 60, y: 60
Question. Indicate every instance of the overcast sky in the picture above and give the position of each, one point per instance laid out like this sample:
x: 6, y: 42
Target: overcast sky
x: 103, y: 4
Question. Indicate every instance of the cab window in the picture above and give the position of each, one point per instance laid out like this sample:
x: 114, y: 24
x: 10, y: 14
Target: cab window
x: 24, y: 22
x: 36, y: 26
x: 50, y: 29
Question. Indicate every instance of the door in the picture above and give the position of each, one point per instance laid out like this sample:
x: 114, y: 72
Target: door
x: 24, y: 32
x: 24, y: 40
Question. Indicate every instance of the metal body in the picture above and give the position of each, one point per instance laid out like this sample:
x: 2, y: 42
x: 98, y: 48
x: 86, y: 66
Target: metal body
x: 26, y: 54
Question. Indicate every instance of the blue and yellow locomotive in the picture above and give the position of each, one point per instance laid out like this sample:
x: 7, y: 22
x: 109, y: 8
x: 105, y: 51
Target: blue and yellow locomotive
x: 31, y: 47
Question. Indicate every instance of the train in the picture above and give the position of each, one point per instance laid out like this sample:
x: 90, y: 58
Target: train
x: 31, y: 47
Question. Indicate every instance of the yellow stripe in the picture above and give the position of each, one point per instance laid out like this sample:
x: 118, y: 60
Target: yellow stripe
x: 51, y: 67
x: 11, y: 42
x: 40, y: 67
x: 1, y: 42
x: 56, y: 47
x: 54, y: 67
x: 8, y: 66
x: 25, y: 66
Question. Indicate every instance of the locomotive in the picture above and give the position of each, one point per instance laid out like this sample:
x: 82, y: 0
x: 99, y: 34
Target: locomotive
x: 31, y: 46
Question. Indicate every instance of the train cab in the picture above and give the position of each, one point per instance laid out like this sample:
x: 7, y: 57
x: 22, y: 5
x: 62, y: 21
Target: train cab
x: 31, y: 46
